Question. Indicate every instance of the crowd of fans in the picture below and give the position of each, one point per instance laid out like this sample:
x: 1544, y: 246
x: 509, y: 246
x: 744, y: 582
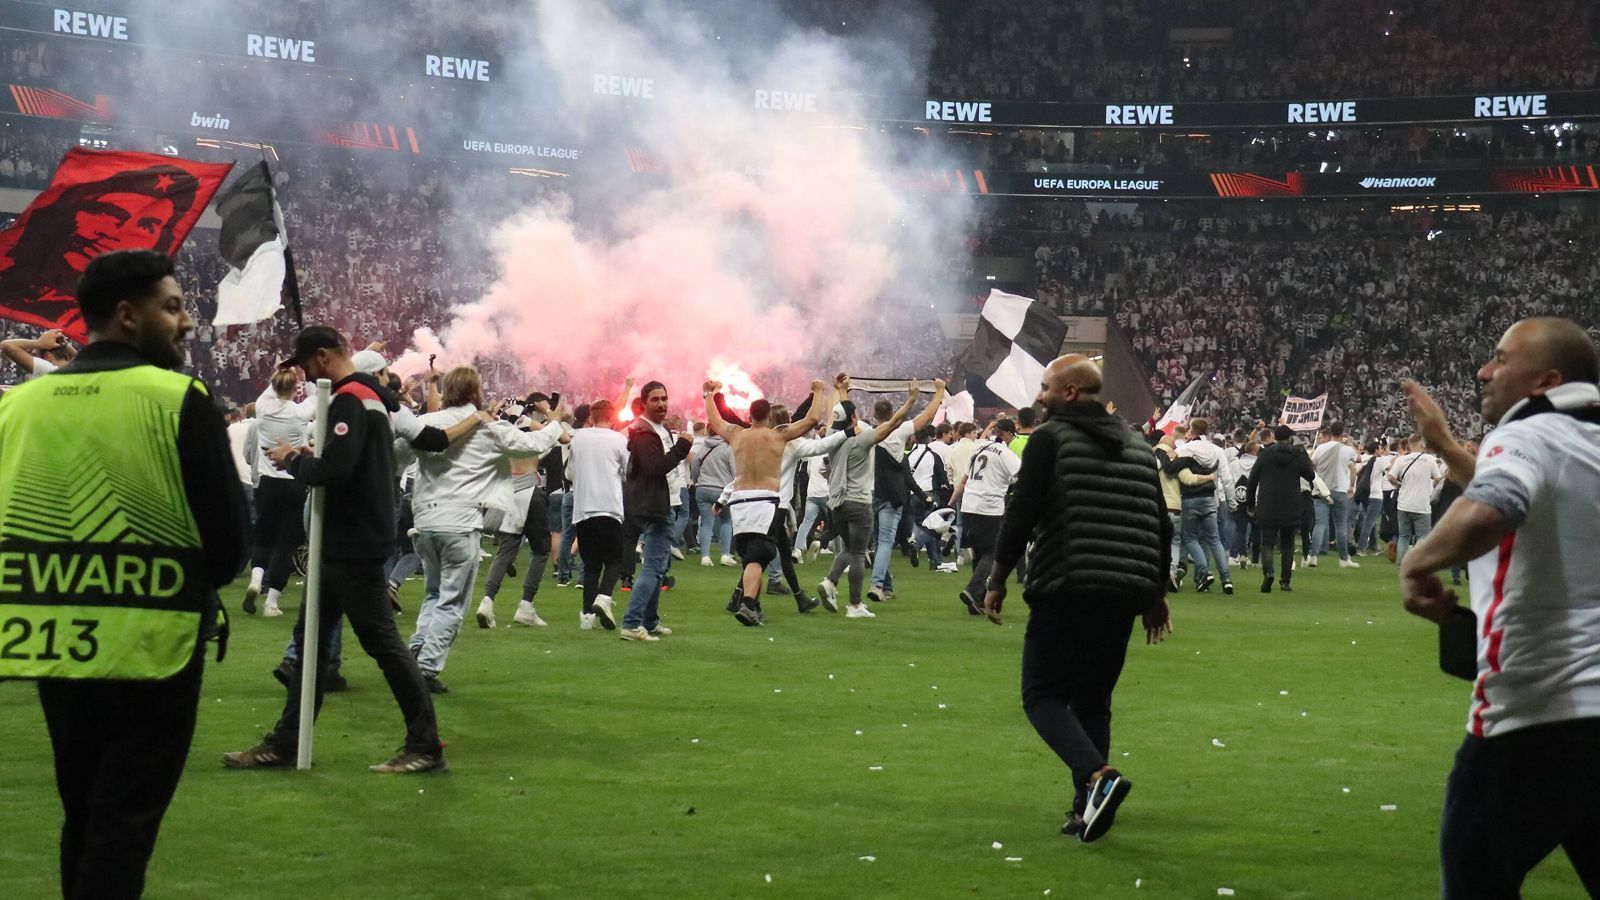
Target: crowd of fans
x: 1280, y: 150
x: 1139, y: 50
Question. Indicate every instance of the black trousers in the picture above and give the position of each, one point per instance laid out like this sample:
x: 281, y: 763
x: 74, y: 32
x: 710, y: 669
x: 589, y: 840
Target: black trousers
x: 359, y: 590
x: 119, y: 751
x: 603, y: 543
x: 1274, y: 537
x: 1512, y: 800
x: 1072, y: 656
x: 280, y: 529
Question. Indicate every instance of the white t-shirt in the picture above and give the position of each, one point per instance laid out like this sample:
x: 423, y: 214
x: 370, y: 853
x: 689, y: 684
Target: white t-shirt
x: 994, y: 467
x: 1537, y: 595
x: 923, y: 461
x: 816, y: 481
x: 1332, y: 461
x: 41, y: 366
x: 238, y: 434
x: 1380, y: 466
x: 1416, y: 473
x: 598, y: 465
x: 895, y: 443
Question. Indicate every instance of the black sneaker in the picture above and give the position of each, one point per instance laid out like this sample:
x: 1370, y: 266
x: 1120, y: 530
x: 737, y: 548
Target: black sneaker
x: 1227, y: 587
x: 748, y: 616
x: 284, y: 672
x: 1284, y: 586
x: 563, y: 582
x: 735, y: 600
x: 668, y: 582
x: 435, y: 686
x: 1073, y: 826
x: 777, y: 588
x: 974, y: 608
x: 875, y: 594
x: 806, y: 603
x: 511, y: 570
x: 394, y: 597
x: 916, y: 557
x: 409, y: 763
x: 1205, y: 583
x: 1106, y: 793
x: 1266, y: 585
x: 262, y: 756
x: 250, y: 595
x: 333, y: 681
x: 1175, y: 579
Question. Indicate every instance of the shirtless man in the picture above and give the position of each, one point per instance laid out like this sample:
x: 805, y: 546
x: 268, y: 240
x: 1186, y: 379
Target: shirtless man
x: 758, y: 464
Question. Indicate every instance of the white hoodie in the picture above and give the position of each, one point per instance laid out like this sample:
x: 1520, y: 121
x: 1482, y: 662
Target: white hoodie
x: 1211, y: 459
x: 281, y: 421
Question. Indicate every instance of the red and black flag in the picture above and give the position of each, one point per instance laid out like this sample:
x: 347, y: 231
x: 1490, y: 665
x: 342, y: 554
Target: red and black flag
x: 98, y: 201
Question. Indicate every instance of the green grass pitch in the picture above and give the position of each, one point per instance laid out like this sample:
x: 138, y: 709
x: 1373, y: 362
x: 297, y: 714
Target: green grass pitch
x: 840, y: 758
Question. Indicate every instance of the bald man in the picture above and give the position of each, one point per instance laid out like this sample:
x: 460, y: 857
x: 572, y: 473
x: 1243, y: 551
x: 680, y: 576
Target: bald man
x: 1526, y: 775
x: 1089, y: 499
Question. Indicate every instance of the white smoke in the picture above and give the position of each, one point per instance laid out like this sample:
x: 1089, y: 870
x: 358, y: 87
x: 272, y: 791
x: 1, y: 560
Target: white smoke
x: 768, y: 240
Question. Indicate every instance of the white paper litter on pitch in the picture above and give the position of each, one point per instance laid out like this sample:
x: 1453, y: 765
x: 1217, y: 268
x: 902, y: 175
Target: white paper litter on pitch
x: 777, y: 690
x: 941, y: 706
x: 874, y: 768
x: 1138, y: 882
x: 1217, y: 743
x: 867, y: 858
x: 1388, y: 807
x: 830, y: 676
x: 997, y: 845
x: 1224, y: 892
x: 769, y: 878
x: 1283, y: 693
x: 858, y: 732
x: 1344, y: 790
x: 1013, y: 859
x: 694, y: 740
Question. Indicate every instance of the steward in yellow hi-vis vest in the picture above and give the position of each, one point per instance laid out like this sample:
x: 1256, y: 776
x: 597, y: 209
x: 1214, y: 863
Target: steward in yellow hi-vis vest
x: 121, y: 513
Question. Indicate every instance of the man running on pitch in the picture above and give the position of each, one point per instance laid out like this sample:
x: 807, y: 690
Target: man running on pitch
x: 757, y: 464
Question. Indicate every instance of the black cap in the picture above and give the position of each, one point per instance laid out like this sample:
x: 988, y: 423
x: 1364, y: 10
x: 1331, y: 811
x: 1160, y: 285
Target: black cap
x: 311, y: 339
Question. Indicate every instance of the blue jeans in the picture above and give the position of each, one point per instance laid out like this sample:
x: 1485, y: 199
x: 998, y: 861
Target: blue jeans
x: 888, y: 516
x: 1225, y: 525
x: 569, y: 567
x: 330, y: 654
x: 705, y: 498
x: 644, y: 604
x: 1340, y: 516
x: 1413, y: 528
x: 816, y: 507
x: 1243, y: 529
x: 680, y: 517
x: 1200, y: 537
x: 449, y: 570
x: 922, y: 537
x: 1367, y: 523
x: 1319, y: 530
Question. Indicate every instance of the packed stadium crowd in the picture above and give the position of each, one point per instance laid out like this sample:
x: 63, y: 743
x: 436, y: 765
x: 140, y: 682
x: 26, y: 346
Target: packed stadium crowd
x: 1132, y: 50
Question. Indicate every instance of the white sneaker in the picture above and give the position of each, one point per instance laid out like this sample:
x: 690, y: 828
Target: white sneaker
x: 1349, y: 564
x: 586, y: 621
x: 677, y: 553
x: 948, y: 568
x: 271, y: 610
x: 602, y: 608
x: 826, y: 551
x: 728, y: 560
x: 638, y: 634
x: 798, y: 556
x: 486, y: 613
x: 1311, y: 561
x: 527, y: 615
x: 829, y: 595
x: 814, y: 549
x: 661, y: 630
x: 705, y: 562
x: 859, y: 611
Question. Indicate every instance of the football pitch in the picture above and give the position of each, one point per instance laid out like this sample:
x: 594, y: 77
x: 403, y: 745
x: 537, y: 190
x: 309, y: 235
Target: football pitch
x: 1283, y: 745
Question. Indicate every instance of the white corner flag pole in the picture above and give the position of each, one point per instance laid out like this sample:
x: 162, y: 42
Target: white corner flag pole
x: 309, y: 643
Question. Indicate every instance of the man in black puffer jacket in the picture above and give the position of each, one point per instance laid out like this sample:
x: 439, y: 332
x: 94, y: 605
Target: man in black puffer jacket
x: 1273, y: 497
x: 1089, y: 500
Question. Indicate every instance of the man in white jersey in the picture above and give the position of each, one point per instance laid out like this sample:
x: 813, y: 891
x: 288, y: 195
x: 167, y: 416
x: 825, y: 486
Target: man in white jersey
x: 981, y: 497
x: 1527, y: 776
x: 52, y: 347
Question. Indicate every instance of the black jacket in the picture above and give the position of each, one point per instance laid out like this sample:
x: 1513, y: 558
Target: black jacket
x: 357, y: 468
x: 644, y: 492
x: 1273, y: 492
x: 1089, y: 498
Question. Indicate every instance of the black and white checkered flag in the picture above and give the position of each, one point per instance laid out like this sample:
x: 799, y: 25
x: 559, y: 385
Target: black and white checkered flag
x: 1015, y: 340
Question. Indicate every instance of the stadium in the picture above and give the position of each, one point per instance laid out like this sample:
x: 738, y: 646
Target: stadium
x: 1246, y: 214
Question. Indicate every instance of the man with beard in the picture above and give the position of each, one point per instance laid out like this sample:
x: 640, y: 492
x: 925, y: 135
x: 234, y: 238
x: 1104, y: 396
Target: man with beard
x: 653, y: 455
x: 119, y: 670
